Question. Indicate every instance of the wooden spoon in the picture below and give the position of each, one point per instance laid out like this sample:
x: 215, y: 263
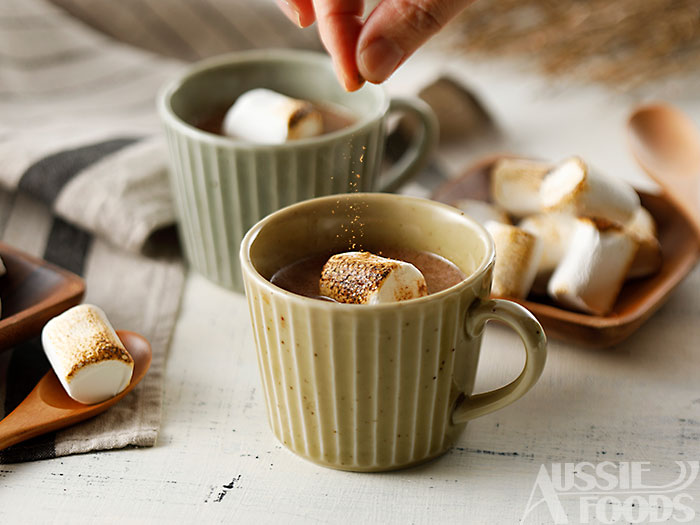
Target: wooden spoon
x: 666, y: 144
x: 48, y: 407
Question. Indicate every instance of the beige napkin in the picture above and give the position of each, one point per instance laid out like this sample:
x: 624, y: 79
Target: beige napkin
x: 83, y: 185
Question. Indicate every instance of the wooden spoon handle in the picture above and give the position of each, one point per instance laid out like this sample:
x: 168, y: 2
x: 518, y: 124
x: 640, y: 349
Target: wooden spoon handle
x: 21, y: 424
x: 685, y: 193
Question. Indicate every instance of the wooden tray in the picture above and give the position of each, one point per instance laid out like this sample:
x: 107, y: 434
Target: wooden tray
x: 32, y: 292
x: 639, y: 298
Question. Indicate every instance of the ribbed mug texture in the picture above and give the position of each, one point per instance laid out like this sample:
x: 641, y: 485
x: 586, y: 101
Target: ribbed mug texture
x: 369, y: 391
x: 221, y: 187
x: 220, y: 191
x: 365, y: 387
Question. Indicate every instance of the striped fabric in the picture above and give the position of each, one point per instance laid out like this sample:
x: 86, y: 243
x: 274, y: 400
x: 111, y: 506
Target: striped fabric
x: 83, y: 185
x: 192, y: 29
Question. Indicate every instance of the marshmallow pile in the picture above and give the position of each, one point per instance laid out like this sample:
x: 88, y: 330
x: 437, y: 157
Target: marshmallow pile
x: 579, y: 234
x: 87, y: 355
x: 365, y: 278
x: 263, y: 116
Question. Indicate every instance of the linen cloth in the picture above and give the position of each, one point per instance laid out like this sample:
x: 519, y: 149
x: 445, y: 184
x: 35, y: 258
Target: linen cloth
x: 82, y: 172
x: 83, y: 179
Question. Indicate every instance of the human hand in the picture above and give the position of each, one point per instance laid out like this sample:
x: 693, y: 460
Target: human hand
x: 371, y: 51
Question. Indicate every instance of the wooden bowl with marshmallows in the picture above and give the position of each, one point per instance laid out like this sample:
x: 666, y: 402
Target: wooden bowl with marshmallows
x: 589, y: 255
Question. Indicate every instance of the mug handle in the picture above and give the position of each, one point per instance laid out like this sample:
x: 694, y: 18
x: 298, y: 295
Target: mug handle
x: 420, y: 148
x: 535, y: 342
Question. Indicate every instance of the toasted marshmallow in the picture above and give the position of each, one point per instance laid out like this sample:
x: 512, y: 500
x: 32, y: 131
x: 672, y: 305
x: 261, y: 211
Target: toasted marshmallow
x: 482, y: 212
x: 266, y: 117
x: 573, y: 187
x: 554, y: 232
x: 515, y: 185
x: 365, y: 278
x: 517, y: 258
x: 648, y: 259
x: 591, y: 274
x: 86, y: 354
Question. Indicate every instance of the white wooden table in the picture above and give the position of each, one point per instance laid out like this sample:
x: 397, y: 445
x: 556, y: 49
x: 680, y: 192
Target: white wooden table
x: 216, y: 461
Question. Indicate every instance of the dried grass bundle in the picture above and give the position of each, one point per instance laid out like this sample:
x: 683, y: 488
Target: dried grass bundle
x: 623, y: 43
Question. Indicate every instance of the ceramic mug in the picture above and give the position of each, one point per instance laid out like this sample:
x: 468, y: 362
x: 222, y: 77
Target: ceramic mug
x: 222, y: 186
x: 377, y: 387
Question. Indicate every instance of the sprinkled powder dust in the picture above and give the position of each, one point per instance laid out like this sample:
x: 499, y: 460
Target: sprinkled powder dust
x: 353, y: 226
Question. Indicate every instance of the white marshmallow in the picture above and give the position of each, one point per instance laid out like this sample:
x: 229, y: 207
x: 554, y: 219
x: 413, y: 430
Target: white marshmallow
x: 515, y: 185
x: 86, y: 354
x: 554, y: 232
x: 517, y: 258
x: 266, y: 117
x: 482, y: 212
x: 364, y: 278
x: 648, y: 259
x: 573, y: 187
x: 591, y: 274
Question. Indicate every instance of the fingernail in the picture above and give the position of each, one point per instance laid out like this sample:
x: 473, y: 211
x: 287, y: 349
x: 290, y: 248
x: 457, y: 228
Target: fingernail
x: 291, y: 12
x: 380, y: 58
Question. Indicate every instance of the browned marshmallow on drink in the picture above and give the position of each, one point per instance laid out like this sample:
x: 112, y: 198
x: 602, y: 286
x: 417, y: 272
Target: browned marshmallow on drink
x: 592, y: 272
x: 648, y: 259
x: 86, y: 354
x: 515, y: 185
x: 365, y: 278
x: 574, y: 188
x: 517, y: 257
x: 267, y: 117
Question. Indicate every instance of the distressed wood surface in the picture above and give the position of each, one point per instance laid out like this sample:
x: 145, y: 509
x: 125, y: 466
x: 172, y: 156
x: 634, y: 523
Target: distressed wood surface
x: 216, y: 461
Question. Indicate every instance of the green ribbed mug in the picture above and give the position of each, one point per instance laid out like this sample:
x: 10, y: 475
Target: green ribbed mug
x: 222, y: 186
x: 377, y: 387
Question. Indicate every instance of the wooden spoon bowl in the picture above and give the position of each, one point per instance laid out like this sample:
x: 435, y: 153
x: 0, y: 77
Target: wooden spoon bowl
x: 48, y: 407
x: 639, y: 298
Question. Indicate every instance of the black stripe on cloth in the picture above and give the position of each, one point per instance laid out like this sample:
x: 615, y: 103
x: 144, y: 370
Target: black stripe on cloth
x: 67, y: 246
x: 46, y: 178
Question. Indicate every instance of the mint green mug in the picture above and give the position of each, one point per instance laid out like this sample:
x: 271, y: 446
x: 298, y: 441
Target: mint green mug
x: 222, y: 186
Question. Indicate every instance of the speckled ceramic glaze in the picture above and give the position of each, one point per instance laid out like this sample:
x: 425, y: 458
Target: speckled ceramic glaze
x: 369, y: 388
x: 222, y: 186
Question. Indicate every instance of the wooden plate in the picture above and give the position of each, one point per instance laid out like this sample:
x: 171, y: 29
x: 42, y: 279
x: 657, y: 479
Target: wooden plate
x: 639, y: 298
x: 32, y: 292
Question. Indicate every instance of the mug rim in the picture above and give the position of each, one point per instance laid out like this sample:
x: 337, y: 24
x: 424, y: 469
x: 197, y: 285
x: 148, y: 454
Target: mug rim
x: 249, y: 270
x: 169, y: 116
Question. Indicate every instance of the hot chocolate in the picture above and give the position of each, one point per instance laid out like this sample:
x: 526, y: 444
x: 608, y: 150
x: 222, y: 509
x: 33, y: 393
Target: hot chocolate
x: 302, y: 277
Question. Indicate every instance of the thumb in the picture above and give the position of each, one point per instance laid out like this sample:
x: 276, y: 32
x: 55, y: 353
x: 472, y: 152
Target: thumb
x: 396, y: 28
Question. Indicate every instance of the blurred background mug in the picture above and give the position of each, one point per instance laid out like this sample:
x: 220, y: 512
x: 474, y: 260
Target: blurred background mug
x: 377, y: 387
x: 222, y: 186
